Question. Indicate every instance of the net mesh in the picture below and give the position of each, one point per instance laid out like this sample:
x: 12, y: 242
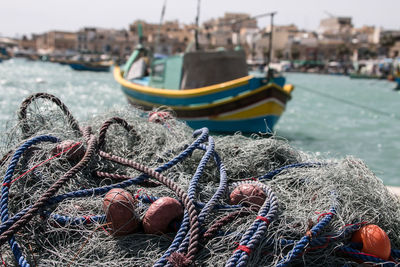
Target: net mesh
x: 304, y: 194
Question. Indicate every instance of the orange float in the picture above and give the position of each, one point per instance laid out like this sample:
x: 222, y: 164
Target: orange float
x: 374, y: 240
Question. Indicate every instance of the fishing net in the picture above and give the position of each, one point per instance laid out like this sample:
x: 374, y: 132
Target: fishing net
x: 52, y: 197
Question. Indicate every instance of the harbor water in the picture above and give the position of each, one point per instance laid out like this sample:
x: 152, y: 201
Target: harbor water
x: 330, y: 116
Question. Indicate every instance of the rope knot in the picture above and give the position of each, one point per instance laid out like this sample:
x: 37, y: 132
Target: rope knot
x: 179, y: 260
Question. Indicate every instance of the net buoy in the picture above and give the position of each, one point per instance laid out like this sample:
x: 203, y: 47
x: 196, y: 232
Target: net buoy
x: 375, y: 241
x: 119, y: 206
x: 160, y: 214
x: 73, y: 150
x: 248, y: 195
x: 159, y: 116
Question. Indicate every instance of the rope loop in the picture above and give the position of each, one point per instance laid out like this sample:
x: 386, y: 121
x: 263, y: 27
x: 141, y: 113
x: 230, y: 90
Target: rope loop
x: 22, y: 113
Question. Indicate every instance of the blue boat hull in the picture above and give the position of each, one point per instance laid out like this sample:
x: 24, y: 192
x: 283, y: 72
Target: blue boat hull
x: 84, y: 67
x: 255, y: 125
x: 248, y: 104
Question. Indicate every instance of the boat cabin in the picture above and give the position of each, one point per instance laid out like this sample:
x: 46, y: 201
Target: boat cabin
x: 190, y: 70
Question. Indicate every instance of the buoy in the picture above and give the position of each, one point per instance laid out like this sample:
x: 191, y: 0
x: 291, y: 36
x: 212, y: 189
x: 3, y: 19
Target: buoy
x: 119, y: 206
x: 159, y: 116
x: 160, y: 214
x: 73, y: 150
x: 374, y: 241
x: 248, y: 194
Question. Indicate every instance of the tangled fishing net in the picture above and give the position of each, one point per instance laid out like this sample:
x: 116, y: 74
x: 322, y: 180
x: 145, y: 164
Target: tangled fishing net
x: 57, y: 171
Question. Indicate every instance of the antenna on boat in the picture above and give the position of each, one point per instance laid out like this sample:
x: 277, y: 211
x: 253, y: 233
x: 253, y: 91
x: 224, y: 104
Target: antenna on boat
x: 269, y: 74
x: 196, y: 31
x: 160, y: 25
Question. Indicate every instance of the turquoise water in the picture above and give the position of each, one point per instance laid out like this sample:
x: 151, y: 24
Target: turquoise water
x: 331, y: 116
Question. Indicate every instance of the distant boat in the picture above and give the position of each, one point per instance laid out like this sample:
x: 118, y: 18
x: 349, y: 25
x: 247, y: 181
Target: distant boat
x: 210, y: 89
x: 365, y: 76
x: 90, y: 66
x: 397, y: 80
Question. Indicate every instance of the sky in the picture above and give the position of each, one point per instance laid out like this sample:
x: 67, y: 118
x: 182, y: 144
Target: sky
x: 23, y: 17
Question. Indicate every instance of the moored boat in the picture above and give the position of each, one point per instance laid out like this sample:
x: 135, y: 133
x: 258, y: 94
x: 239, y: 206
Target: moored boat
x: 90, y: 66
x: 210, y: 89
x: 365, y: 76
x: 397, y: 80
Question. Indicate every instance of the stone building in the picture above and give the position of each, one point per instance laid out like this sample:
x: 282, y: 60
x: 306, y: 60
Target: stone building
x: 27, y: 44
x: 283, y: 37
x: 169, y: 38
x: 336, y: 28
x: 55, y: 41
x: 113, y: 42
x: 228, y: 31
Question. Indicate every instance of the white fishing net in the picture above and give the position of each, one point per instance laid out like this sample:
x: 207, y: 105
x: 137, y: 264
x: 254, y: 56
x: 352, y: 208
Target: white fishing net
x: 305, y: 194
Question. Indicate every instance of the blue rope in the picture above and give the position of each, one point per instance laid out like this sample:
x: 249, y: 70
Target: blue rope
x: 6, y: 187
x: 202, y: 135
x: 200, y: 205
x: 250, y: 239
x: 184, y: 228
x: 305, y: 240
x: 364, y: 257
x: 254, y: 234
x: 395, y: 253
x: 82, y: 220
x: 223, y: 183
x: 6, y: 222
x: 271, y: 174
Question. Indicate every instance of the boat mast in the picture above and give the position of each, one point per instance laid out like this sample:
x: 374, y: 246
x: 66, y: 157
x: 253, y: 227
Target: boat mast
x: 196, y: 31
x: 156, y: 43
x: 269, y: 75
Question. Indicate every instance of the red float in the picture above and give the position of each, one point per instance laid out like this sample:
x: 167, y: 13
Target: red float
x: 159, y: 116
x: 248, y: 194
x: 73, y: 150
x: 119, y: 206
x: 160, y: 214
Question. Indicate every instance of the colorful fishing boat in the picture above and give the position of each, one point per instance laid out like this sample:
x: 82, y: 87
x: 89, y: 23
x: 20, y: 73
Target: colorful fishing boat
x: 90, y: 66
x: 211, y: 89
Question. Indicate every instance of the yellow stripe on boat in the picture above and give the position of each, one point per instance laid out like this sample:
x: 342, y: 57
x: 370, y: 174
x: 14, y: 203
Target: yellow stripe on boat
x: 288, y: 88
x: 210, y: 105
x: 269, y: 107
x: 180, y: 93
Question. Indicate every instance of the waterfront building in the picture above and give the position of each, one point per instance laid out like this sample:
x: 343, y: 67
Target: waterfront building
x: 28, y: 44
x: 113, y: 42
x: 169, y: 38
x: 230, y: 30
x: 55, y: 42
x: 339, y: 28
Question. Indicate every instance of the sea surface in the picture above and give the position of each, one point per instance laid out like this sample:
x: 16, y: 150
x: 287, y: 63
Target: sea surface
x: 329, y: 116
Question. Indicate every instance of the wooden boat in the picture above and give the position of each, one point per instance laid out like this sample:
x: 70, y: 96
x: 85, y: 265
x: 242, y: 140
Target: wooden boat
x: 90, y: 66
x: 397, y: 80
x: 365, y: 76
x: 206, y: 89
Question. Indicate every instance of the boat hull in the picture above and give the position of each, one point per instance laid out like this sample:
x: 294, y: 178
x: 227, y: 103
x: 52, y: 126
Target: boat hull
x: 88, y: 67
x: 397, y: 80
x: 246, y: 104
x: 255, y: 125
